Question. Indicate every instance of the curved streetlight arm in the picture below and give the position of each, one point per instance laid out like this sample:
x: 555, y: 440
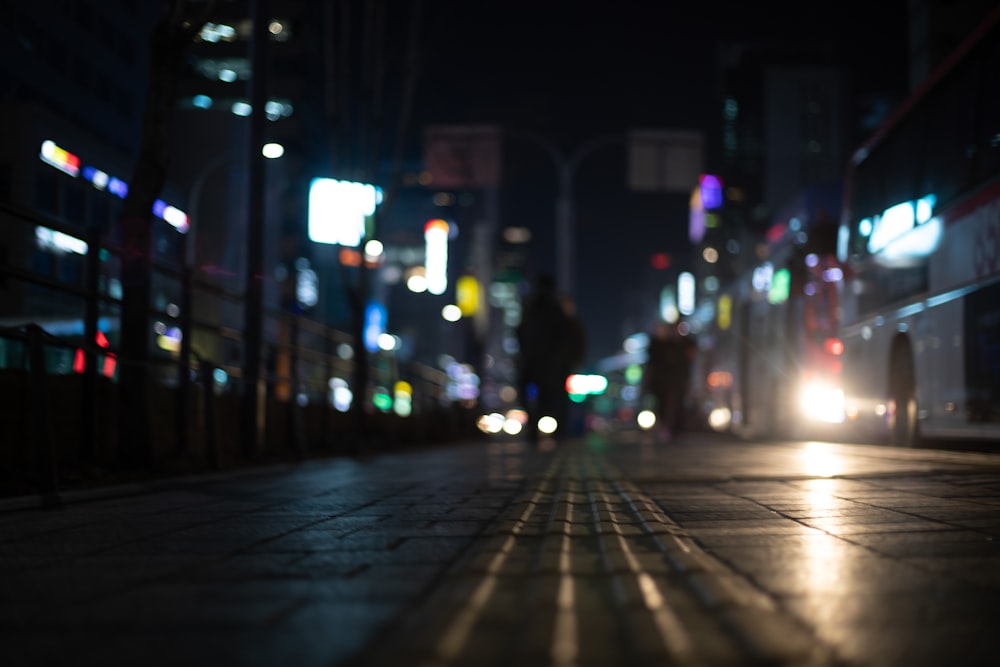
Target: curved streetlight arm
x: 565, y: 171
x: 187, y: 300
x: 586, y: 149
x: 558, y: 158
x: 565, y: 165
x: 193, y: 202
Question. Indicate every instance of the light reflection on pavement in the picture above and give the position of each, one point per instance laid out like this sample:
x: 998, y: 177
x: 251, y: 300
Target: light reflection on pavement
x: 707, y: 456
x: 891, y: 555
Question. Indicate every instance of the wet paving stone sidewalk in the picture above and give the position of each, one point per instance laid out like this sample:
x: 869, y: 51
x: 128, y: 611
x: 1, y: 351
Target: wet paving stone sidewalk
x: 620, y: 551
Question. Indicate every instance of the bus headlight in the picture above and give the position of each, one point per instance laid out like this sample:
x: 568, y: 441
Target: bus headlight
x: 824, y: 402
x: 720, y: 419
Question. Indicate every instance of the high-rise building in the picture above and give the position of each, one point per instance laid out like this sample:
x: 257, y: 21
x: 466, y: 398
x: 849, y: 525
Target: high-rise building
x: 211, y: 151
x: 85, y: 62
x: 936, y: 28
x: 332, y: 75
x: 73, y: 84
x: 786, y: 124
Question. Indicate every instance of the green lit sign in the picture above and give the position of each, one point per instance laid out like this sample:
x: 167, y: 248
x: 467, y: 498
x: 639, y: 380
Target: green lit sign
x: 780, y: 286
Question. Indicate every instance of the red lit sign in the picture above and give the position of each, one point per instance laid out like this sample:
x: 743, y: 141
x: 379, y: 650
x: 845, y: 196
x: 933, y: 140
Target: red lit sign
x: 660, y: 260
x: 110, y: 361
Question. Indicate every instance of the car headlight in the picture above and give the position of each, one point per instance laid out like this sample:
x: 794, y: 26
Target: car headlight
x: 824, y: 402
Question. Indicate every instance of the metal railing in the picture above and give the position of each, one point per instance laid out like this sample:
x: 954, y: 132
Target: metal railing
x: 57, y: 337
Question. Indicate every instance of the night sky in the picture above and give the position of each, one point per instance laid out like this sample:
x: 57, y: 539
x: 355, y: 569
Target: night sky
x: 574, y: 71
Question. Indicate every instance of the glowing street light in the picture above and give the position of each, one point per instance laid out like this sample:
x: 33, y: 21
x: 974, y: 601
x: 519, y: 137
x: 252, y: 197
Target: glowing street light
x: 272, y: 150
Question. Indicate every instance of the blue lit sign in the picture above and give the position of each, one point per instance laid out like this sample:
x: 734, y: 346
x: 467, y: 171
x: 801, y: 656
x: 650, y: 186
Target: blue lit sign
x: 118, y: 187
x: 711, y: 192
x: 375, y: 317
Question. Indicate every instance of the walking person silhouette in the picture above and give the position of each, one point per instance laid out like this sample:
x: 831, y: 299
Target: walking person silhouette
x: 549, y: 341
x: 665, y: 378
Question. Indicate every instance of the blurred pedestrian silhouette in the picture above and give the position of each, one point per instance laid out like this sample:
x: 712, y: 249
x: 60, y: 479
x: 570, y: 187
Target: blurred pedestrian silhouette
x: 552, y: 343
x: 666, y: 377
x: 576, y: 354
x: 576, y: 336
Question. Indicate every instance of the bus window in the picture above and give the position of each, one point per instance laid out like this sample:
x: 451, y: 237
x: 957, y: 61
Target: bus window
x: 922, y: 215
x: 949, y: 136
x: 988, y: 123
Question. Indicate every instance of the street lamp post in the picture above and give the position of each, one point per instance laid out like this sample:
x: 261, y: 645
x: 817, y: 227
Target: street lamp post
x: 566, y: 166
x: 254, y: 385
x: 189, y: 257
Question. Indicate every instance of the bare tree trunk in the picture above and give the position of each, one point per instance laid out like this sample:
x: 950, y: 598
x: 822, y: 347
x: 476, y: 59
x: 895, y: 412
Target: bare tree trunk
x: 411, y: 69
x: 171, y: 36
x: 373, y: 133
x: 358, y: 65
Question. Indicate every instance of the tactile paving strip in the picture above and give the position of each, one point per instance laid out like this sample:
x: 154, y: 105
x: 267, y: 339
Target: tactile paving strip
x: 587, y: 570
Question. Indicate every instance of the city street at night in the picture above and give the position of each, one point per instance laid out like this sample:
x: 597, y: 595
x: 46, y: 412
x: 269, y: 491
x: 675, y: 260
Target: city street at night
x: 606, y: 550
x: 426, y: 333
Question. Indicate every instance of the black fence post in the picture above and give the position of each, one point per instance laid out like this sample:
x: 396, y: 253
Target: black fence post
x: 206, y: 374
x: 48, y: 475
x: 294, y: 409
x: 329, y: 350
x: 89, y: 404
x: 184, y: 362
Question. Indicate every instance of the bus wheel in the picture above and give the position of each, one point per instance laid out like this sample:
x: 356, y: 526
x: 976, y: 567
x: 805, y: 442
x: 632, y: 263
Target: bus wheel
x: 904, y: 429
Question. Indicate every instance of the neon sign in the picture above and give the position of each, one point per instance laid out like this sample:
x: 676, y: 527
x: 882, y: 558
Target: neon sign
x: 711, y: 191
x: 436, y: 251
x: 69, y: 163
x: 60, y: 158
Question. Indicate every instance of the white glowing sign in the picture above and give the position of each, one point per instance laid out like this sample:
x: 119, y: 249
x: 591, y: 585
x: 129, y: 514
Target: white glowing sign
x: 897, y: 220
x: 50, y: 239
x: 685, y: 293
x: 306, y: 287
x: 892, y: 224
x: 338, y: 210
x: 668, y: 305
x: 436, y: 256
x: 174, y: 216
x: 762, y: 275
x: 586, y: 384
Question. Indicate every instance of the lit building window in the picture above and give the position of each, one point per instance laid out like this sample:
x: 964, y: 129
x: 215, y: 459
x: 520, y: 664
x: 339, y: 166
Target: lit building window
x: 242, y: 109
x: 216, y: 32
x: 280, y: 30
x: 228, y: 70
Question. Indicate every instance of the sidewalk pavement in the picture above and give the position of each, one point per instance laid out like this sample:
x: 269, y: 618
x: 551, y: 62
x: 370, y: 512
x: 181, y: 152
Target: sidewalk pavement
x: 603, y: 551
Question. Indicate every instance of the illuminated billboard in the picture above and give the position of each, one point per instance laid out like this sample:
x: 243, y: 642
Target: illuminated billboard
x: 685, y: 293
x: 436, y: 255
x: 339, y: 210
